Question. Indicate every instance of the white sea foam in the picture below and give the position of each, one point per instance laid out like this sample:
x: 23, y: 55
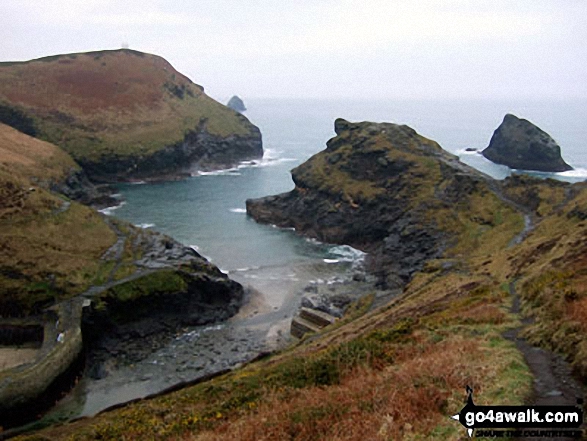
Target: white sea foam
x: 238, y: 210
x: 247, y: 268
x: 108, y: 210
x: 468, y: 152
x: 347, y: 253
x: 270, y: 157
x: 145, y: 226
x: 576, y: 173
x: 224, y: 172
x: 137, y: 183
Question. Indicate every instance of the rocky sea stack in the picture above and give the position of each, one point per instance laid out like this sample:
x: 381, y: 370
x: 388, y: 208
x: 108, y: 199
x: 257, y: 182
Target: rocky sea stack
x: 124, y: 114
x: 386, y: 190
x: 519, y: 144
x: 236, y: 104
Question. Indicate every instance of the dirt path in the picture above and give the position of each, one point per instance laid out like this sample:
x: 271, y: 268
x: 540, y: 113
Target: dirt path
x: 554, y: 383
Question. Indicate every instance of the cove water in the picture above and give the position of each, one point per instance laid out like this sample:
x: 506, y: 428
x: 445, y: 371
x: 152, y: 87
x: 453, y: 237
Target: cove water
x: 208, y: 213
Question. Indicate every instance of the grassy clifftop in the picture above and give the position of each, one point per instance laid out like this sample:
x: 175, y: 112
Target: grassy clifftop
x: 111, y: 104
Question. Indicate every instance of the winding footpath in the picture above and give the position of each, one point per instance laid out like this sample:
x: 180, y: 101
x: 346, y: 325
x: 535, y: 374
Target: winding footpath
x: 554, y: 383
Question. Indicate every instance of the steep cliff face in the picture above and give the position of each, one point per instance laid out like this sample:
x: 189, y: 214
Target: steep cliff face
x: 124, y: 115
x: 386, y: 190
x: 519, y: 144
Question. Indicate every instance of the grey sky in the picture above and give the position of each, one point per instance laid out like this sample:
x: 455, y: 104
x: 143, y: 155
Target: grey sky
x: 327, y: 48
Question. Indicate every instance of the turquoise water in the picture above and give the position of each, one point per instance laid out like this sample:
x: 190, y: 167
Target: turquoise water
x: 208, y: 211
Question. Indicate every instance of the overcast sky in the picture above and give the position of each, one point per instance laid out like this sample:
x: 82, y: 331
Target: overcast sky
x: 327, y: 48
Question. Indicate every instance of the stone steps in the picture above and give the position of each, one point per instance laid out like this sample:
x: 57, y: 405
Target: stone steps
x: 310, y: 320
x: 319, y: 318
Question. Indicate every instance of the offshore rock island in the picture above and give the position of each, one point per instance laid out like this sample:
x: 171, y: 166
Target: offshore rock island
x: 519, y: 144
x: 124, y: 115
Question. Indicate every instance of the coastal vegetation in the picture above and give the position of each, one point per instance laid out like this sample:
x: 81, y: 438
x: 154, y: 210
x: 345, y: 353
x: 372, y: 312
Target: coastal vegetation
x: 400, y: 370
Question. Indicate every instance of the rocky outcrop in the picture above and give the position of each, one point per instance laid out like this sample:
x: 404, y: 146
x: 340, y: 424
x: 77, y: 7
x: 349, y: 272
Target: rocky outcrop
x: 124, y: 115
x: 381, y: 188
x: 236, y: 104
x: 519, y: 144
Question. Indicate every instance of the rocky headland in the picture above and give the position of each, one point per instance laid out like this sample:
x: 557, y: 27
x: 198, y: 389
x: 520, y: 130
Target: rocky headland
x: 384, y: 189
x: 124, y: 115
x: 519, y: 144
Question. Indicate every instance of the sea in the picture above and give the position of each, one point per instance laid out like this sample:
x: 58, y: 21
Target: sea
x: 207, y: 212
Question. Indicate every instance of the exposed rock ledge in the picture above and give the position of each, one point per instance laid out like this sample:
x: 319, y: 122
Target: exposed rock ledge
x: 172, y: 287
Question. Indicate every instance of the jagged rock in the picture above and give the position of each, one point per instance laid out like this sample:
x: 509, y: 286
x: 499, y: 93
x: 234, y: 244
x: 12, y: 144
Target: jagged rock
x: 519, y: 144
x: 235, y: 103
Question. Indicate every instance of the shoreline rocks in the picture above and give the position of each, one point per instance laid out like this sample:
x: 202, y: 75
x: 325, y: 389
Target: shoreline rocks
x: 199, y: 150
x: 519, y: 144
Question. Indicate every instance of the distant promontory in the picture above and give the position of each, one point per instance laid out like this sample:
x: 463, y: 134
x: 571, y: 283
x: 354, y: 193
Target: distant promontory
x: 519, y: 144
x: 124, y: 115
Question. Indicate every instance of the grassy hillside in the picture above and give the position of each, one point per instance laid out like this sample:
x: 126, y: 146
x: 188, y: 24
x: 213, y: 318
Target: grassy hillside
x: 106, y: 104
x: 50, y: 248
x: 400, y: 371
